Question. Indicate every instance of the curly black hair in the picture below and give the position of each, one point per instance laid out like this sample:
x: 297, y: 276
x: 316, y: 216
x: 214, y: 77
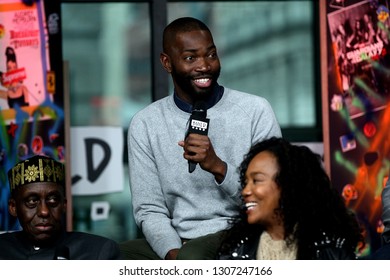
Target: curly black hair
x: 309, y: 205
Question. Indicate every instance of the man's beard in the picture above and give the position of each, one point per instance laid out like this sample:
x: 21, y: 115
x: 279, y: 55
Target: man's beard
x: 186, y: 84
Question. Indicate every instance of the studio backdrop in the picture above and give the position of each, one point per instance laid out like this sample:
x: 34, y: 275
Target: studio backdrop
x: 355, y: 66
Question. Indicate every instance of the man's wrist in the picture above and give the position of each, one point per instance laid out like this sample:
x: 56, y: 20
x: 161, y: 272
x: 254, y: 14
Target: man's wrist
x: 220, y: 172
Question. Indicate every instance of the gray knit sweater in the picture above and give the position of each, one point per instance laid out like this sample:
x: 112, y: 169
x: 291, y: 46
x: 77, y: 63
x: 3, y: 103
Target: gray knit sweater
x: 170, y: 203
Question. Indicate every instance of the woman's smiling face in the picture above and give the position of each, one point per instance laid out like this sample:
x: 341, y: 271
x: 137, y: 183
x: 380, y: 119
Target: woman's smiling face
x: 261, y: 193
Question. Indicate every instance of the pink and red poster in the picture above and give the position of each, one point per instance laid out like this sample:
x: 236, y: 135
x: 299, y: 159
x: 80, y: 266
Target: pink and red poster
x: 24, y: 55
x: 31, y: 90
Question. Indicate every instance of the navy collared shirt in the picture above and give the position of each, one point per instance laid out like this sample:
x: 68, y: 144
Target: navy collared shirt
x: 210, y: 102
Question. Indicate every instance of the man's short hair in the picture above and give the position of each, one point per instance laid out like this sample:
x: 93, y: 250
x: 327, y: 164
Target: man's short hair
x: 180, y: 25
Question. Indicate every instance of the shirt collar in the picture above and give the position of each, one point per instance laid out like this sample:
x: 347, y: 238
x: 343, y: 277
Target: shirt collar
x: 210, y: 102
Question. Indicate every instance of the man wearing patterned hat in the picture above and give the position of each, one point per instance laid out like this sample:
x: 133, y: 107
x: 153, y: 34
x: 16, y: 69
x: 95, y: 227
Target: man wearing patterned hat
x: 38, y: 201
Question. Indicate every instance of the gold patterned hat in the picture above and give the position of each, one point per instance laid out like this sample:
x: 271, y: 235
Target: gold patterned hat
x: 35, y: 170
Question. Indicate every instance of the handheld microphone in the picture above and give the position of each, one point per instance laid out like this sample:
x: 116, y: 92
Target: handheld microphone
x: 199, y: 124
x: 62, y: 253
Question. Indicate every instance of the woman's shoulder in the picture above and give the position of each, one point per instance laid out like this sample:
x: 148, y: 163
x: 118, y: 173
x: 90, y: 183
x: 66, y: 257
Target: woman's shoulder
x: 241, y: 249
x: 332, y: 247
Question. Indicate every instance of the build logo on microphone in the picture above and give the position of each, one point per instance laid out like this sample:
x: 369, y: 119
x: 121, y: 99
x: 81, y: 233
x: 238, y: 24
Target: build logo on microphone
x: 199, y: 125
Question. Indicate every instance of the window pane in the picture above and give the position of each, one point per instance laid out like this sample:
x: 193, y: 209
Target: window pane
x: 108, y: 49
x: 266, y: 48
x: 107, y: 46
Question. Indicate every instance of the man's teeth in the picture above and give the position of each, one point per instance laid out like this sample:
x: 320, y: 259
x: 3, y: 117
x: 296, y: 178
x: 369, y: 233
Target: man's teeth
x: 250, y: 205
x: 202, y: 81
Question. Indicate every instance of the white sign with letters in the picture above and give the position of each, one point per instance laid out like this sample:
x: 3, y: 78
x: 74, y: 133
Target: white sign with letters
x: 96, y: 160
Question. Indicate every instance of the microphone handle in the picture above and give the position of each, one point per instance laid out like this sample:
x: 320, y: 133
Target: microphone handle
x: 198, y: 123
x: 191, y: 166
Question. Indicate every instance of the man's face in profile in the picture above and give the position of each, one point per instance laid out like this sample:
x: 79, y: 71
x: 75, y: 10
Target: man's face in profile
x: 39, y: 208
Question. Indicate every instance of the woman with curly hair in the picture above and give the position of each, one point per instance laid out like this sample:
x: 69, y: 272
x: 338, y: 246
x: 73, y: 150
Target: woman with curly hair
x: 290, y: 209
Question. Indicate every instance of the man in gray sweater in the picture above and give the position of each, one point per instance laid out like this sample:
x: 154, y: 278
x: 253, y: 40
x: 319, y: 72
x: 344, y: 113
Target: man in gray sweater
x: 182, y: 214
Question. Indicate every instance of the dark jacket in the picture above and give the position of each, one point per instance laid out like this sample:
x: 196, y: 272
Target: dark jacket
x: 71, y: 245
x: 325, y: 249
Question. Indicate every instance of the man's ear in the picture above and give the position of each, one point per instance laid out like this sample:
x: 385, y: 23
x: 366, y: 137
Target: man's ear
x: 12, y: 207
x: 165, y: 61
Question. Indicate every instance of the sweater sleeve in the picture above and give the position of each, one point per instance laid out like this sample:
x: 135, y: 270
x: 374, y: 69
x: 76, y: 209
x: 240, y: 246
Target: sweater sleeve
x: 150, y: 211
x: 264, y: 125
x: 229, y: 184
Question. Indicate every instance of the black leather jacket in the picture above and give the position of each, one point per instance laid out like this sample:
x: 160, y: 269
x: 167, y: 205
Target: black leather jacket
x: 325, y: 249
